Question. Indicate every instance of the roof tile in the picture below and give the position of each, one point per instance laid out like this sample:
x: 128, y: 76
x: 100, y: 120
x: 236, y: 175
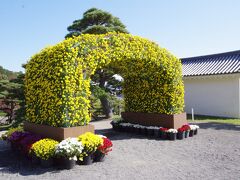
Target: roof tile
x: 223, y: 63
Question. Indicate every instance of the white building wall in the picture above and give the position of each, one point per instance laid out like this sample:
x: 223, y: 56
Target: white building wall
x: 213, y: 95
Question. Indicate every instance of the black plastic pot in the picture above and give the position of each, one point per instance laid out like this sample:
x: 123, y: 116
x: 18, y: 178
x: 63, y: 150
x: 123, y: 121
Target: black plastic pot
x: 138, y: 130
x: 196, y: 132
x: 191, y: 133
x: 87, y: 160
x: 46, y: 163
x: 186, y: 134
x: 156, y: 133
x: 150, y: 132
x: 172, y: 136
x: 64, y: 163
x: 115, y: 127
x: 131, y: 129
x: 35, y: 160
x: 163, y: 135
x: 98, y: 156
x: 120, y: 128
x: 15, y: 148
x: 181, y: 135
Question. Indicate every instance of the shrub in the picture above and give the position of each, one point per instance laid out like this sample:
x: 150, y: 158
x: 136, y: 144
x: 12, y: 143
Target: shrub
x: 7, y: 134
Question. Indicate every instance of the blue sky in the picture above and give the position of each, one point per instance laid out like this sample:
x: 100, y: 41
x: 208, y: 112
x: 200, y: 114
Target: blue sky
x: 185, y: 27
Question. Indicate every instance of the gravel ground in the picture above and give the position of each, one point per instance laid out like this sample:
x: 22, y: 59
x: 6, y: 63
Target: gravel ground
x: 213, y: 154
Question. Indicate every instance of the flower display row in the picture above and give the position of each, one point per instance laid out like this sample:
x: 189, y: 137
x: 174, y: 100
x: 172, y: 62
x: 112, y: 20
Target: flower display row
x: 83, y: 150
x: 157, y: 132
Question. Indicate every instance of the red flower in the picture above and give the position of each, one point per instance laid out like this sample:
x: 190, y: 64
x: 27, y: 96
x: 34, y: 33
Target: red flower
x: 186, y: 127
x: 163, y: 129
x: 106, y: 146
x: 182, y: 129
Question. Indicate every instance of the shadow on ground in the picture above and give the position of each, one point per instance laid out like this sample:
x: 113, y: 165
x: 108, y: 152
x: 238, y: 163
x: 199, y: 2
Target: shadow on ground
x: 17, y: 164
x: 217, y: 126
x: 116, y: 135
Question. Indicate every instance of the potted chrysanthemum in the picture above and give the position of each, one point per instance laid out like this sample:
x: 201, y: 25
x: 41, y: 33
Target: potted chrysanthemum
x: 163, y: 133
x: 90, y: 144
x: 193, y: 130
x: 181, y: 133
x: 67, y: 152
x: 103, y: 149
x: 44, y: 150
x: 187, y: 130
x: 172, y: 134
x: 150, y: 130
x: 157, y: 131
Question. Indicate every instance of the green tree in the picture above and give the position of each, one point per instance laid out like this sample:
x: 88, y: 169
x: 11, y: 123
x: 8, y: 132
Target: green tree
x: 97, y: 21
x: 12, y: 96
x: 6, y: 74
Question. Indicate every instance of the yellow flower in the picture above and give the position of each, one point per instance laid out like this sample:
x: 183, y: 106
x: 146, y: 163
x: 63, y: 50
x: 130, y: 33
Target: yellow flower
x: 58, y: 78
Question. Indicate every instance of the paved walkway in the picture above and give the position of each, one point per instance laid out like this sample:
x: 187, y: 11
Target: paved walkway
x: 213, y: 154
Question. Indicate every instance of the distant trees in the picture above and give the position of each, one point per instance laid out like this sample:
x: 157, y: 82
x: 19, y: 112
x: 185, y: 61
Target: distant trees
x: 7, y: 75
x: 11, y: 95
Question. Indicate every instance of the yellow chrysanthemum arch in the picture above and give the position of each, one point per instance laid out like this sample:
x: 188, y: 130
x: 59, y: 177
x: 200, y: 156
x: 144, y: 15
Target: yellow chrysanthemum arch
x: 58, y: 78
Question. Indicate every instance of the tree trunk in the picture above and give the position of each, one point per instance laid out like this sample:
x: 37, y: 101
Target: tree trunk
x: 107, y: 109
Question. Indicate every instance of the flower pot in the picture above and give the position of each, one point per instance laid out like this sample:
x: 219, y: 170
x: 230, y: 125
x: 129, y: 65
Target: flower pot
x: 138, y: 130
x: 191, y: 133
x: 181, y: 135
x: 120, y: 128
x: 150, y: 132
x: 143, y: 131
x: 14, y: 147
x: 186, y: 134
x: 156, y: 133
x: 35, y: 160
x: 46, y: 163
x: 125, y: 128
x: 99, y: 156
x: 172, y: 136
x: 65, y: 163
x: 195, y: 132
x: 131, y: 129
x: 87, y: 160
x: 115, y: 127
x: 163, y: 135
x: 135, y: 130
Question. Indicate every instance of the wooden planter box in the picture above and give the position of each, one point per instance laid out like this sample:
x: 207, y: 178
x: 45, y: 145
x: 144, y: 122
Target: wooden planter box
x: 57, y: 133
x: 153, y: 119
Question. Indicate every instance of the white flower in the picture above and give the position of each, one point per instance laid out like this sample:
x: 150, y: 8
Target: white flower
x: 75, y: 158
x: 153, y: 127
x: 126, y: 124
x: 194, y: 127
x: 70, y: 148
x: 102, y: 136
x: 172, y: 131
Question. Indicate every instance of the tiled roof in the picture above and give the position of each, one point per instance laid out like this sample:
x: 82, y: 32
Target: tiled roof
x: 223, y: 63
